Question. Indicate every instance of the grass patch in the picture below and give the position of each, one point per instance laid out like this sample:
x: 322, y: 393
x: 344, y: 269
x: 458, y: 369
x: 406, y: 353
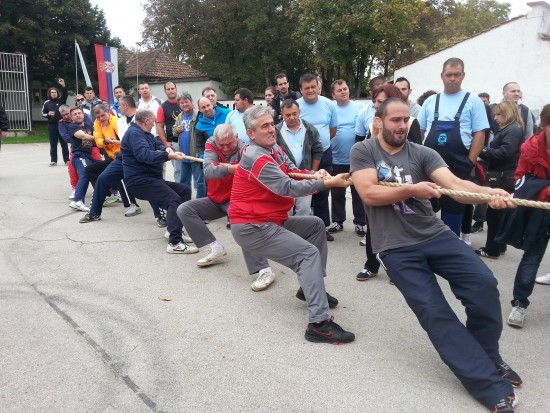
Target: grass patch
x: 39, y: 135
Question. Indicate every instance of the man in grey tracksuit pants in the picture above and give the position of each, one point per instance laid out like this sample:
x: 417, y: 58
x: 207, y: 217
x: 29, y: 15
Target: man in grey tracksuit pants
x: 261, y: 197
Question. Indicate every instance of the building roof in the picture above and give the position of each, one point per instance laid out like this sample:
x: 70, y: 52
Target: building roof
x: 157, y: 65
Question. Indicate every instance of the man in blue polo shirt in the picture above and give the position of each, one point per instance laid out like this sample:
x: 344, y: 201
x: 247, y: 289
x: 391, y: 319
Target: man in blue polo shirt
x: 341, y: 144
x: 321, y: 113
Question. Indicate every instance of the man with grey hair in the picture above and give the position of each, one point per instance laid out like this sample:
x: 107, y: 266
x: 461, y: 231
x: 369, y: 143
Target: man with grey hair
x: 261, y: 196
x: 221, y: 159
x: 184, y: 129
x: 143, y: 157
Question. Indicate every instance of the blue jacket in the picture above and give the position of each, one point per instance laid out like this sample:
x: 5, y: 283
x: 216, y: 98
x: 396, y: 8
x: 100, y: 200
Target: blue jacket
x: 204, y: 127
x: 142, y: 156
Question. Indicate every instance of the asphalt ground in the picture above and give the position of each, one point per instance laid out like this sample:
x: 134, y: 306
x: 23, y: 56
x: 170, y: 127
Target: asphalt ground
x: 84, y: 325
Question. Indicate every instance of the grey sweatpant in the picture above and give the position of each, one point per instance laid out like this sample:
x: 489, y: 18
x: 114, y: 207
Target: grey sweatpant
x: 193, y: 213
x: 301, y: 245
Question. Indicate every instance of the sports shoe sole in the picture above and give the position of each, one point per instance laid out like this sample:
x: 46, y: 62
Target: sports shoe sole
x: 211, y: 262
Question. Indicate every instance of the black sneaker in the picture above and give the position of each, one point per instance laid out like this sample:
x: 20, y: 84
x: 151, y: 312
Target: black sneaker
x: 507, y: 373
x: 506, y: 405
x: 328, y: 332
x: 477, y: 227
x: 161, y: 221
x: 335, y: 227
x: 360, y: 230
x: 329, y: 237
x: 332, y: 302
x: 365, y: 275
x: 228, y: 225
x: 89, y: 218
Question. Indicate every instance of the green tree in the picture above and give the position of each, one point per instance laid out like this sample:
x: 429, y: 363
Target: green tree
x: 45, y: 30
x: 348, y: 39
x: 235, y: 40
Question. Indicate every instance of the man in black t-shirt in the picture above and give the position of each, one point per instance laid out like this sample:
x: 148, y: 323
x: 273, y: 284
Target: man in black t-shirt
x: 166, y: 117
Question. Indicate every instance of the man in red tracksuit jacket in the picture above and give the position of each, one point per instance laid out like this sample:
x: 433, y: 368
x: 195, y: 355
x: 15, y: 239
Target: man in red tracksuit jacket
x: 261, y: 196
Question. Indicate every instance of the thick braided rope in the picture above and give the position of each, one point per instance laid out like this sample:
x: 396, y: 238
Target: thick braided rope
x: 483, y: 197
x: 291, y: 174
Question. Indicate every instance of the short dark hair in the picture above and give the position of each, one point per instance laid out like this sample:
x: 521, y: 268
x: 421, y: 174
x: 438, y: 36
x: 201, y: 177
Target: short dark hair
x: 307, y: 77
x: 403, y: 79
x: 117, y: 87
x: 129, y: 100
x: 208, y: 88
x: 383, y: 108
x: 545, y: 116
x: 245, y: 94
x: 425, y: 96
x: 375, y: 82
x: 337, y: 82
x: 484, y: 95
x: 142, y: 83
x: 280, y: 76
x: 169, y: 82
x: 453, y: 61
x: 76, y: 108
x: 287, y: 104
x: 88, y: 88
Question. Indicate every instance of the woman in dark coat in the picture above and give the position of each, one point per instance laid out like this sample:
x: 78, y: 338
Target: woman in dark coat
x: 501, y: 156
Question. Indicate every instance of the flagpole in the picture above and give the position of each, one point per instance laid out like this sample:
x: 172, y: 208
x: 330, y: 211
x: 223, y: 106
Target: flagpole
x: 76, y: 66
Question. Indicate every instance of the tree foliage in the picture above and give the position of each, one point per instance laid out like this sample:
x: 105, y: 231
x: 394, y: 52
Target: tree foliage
x: 246, y: 42
x: 45, y: 30
x: 235, y: 40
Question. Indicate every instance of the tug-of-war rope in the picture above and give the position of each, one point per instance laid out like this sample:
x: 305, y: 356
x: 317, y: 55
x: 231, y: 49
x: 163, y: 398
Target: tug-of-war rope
x: 443, y: 191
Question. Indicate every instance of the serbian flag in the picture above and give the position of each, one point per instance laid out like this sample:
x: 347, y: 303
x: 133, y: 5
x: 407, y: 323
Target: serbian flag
x: 107, y: 71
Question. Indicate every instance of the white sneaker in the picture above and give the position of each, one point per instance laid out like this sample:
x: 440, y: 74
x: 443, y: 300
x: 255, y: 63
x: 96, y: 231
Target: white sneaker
x: 184, y: 237
x: 363, y: 241
x: 181, y: 248
x: 79, y: 206
x: 543, y: 279
x: 71, y: 197
x: 132, y: 211
x: 212, y: 258
x: 516, y: 316
x: 264, y: 280
x: 467, y: 239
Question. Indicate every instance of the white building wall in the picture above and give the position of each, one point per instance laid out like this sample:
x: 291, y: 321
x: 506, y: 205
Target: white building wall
x: 194, y: 88
x: 515, y: 51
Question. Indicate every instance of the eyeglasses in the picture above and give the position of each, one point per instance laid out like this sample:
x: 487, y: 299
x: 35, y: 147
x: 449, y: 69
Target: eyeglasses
x: 80, y: 100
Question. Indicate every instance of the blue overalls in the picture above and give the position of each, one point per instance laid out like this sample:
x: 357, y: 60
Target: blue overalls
x: 444, y: 137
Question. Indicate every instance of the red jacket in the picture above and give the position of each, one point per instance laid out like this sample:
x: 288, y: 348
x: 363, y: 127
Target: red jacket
x: 219, y: 190
x: 262, y: 191
x: 535, y: 160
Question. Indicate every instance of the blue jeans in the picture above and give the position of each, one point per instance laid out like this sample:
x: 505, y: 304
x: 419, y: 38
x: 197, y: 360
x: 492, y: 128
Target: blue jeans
x: 527, y: 272
x: 194, y: 169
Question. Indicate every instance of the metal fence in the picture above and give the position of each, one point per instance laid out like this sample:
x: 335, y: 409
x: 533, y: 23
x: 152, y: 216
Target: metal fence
x: 14, y: 90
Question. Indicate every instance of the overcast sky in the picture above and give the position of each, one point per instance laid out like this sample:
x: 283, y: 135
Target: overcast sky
x: 124, y: 17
